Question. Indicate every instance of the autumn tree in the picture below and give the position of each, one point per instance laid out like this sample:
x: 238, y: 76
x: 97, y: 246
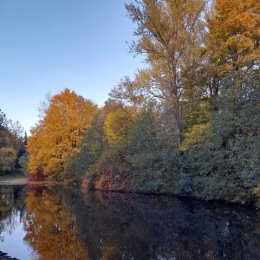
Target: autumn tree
x: 233, y: 49
x: 234, y: 34
x: 60, y: 133
x: 169, y: 33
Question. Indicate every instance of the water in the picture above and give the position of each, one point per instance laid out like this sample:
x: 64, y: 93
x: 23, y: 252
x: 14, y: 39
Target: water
x: 66, y: 224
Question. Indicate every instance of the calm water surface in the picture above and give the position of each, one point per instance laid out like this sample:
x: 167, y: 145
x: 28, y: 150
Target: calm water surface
x: 64, y: 224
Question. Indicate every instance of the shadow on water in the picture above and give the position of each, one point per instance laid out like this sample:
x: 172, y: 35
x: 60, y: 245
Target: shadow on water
x: 61, y: 223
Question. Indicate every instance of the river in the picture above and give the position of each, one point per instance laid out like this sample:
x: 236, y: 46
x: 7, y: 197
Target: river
x: 59, y: 223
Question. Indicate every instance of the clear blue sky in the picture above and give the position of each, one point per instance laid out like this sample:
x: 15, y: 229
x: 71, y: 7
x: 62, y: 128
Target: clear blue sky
x: 47, y: 45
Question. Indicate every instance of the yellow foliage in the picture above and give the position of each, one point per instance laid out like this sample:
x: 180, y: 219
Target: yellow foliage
x: 256, y: 191
x: 198, y: 134
x: 60, y: 133
x: 118, y: 122
x: 234, y: 33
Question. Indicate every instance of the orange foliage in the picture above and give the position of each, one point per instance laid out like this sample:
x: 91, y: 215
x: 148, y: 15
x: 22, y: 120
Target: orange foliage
x: 51, y: 229
x: 60, y: 133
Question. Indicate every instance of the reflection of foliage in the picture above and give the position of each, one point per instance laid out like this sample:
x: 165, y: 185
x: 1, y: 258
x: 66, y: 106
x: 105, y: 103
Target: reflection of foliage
x: 117, y: 226
x: 2, y: 226
x: 11, y: 222
x: 62, y: 224
x: 6, y: 201
x: 11, y: 208
x: 51, y: 229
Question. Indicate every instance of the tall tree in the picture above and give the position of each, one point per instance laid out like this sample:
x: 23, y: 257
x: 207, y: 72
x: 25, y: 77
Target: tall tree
x: 169, y: 33
x: 60, y: 133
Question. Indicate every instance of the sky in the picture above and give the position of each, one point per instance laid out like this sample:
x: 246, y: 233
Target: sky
x: 49, y: 45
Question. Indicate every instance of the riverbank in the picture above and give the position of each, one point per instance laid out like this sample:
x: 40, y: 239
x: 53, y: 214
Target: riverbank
x: 18, y: 178
x: 14, y: 178
x: 255, y: 205
x: 244, y: 197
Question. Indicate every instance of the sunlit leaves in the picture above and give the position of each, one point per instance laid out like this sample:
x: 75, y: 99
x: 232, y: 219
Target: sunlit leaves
x: 118, y: 123
x: 234, y: 34
x: 60, y: 133
x: 170, y: 34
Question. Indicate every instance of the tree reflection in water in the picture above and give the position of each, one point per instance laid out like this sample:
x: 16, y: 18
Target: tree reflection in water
x: 50, y: 227
x: 11, y: 205
x: 117, y: 226
x: 62, y: 223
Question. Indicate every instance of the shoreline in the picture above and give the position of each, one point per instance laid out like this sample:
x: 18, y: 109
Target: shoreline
x: 14, y: 181
x: 180, y: 196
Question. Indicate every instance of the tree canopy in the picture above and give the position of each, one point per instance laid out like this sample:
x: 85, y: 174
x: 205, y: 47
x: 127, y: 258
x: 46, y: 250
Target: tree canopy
x: 60, y: 133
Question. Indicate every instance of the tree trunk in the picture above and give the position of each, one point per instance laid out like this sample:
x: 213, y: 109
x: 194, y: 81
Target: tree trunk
x: 178, y: 128
x: 176, y: 105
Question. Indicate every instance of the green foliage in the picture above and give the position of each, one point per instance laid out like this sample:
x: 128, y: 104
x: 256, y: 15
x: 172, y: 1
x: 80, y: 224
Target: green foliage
x: 226, y: 167
x: 154, y: 162
x: 217, y: 160
x: 90, y: 150
x: 110, y: 172
x: 11, y: 143
x: 23, y: 163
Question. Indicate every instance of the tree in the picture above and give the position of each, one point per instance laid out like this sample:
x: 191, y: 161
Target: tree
x: 233, y: 38
x: 3, y: 120
x: 10, y: 143
x: 7, y: 159
x: 118, y: 123
x: 60, y: 133
x: 90, y: 150
x: 170, y: 34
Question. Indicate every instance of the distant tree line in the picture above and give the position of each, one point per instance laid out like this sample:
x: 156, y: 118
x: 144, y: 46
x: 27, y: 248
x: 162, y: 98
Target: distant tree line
x: 188, y: 123
x: 13, y: 142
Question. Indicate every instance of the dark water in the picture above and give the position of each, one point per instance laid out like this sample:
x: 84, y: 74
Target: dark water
x: 64, y: 224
